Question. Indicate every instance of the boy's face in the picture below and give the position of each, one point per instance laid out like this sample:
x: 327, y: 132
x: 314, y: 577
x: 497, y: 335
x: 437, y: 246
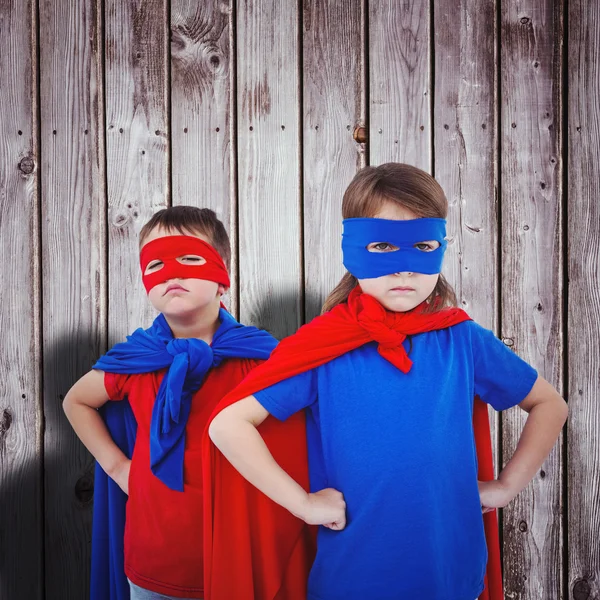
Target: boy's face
x: 181, y: 297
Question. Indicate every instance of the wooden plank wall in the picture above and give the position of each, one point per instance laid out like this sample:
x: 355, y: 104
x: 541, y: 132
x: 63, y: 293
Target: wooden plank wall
x: 21, y: 411
x: 73, y: 274
x: 263, y: 111
x: 583, y: 303
x: 531, y: 295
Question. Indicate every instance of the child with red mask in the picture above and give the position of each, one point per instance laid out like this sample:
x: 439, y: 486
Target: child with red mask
x: 155, y: 393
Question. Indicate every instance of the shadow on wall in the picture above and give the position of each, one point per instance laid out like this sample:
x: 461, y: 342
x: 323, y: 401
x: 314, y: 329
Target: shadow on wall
x: 65, y: 485
x: 45, y: 507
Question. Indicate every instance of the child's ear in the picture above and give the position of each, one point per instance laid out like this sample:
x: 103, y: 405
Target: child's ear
x: 222, y: 289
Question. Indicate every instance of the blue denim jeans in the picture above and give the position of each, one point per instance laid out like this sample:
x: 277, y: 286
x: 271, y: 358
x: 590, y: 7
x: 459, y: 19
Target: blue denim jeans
x: 138, y: 593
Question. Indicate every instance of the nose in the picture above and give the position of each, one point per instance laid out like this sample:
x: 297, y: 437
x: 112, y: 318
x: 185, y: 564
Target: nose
x: 407, y: 273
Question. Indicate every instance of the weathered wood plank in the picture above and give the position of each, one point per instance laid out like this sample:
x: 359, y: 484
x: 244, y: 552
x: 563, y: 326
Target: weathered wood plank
x: 532, y: 272
x: 137, y: 154
x: 583, y: 430
x: 333, y: 107
x: 399, y: 83
x: 269, y: 165
x: 21, y: 416
x: 73, y: 271
x: 465, y: 137
x: 201, y: 111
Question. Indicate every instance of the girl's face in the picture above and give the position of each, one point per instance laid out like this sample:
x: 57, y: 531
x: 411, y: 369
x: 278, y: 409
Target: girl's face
x: 399, y: 292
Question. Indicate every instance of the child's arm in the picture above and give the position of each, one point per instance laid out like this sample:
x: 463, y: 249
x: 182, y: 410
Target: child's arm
x: 234, y: 432
x: 80, y: 405
x: 547, y: 414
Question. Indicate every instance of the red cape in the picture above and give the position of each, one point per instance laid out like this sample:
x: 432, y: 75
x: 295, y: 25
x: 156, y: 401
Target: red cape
x: 253, y: 548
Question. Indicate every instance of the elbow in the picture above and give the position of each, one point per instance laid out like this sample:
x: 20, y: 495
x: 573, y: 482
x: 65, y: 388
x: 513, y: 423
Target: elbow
x: 558, y: 410
x: 67, y: 404
x: 217, y: 430
x: 564, y: 410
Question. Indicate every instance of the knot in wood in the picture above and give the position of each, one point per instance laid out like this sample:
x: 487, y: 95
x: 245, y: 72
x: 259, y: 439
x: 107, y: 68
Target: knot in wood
x: 581, y: 590
x: 215, y: 62
x: 84, y: 489
x: 523, y: 527
x: 27, y: 165
x: 5, y: 422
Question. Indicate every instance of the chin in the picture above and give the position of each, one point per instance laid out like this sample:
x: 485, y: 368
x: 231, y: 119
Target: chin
x: 401, y: 304
x: 185, y: 309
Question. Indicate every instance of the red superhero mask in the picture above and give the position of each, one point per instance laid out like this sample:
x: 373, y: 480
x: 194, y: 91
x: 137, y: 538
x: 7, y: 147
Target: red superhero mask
x: 168, y: 249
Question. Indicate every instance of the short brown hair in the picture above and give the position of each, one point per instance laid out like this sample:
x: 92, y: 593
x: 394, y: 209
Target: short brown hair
x: 407, y: 186
x: 191, y: 219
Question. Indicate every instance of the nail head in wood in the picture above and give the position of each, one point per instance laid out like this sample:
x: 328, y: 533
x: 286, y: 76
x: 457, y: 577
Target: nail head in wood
x: 360, y: 134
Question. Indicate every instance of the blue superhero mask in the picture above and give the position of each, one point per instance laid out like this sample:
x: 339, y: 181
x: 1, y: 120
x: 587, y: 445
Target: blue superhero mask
x: 359, y: 233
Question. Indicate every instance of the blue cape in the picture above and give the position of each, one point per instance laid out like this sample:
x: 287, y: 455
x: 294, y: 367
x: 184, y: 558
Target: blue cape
x: 188, y: 361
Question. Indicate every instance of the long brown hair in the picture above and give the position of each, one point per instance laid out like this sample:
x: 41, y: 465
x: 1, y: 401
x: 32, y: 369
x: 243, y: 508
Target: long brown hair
x: 407, y: 186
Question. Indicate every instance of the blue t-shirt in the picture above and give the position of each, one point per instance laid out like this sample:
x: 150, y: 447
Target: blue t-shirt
x: 400, y: 447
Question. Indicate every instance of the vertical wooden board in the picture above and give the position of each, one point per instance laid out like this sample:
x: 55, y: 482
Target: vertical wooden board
x: 399, y: 82
x: 583, y: 426
x: 465, y: 117
x: 137, y: 147
x: 201, y: 110
x: 333, y: 107
x: 269, y: 165
x: 73, y: 272
x: 465, y: 149
x: 532, y: 272
x: 21, y: 510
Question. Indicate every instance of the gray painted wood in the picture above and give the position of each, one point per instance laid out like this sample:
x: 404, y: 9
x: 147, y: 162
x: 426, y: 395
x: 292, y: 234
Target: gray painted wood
x: 400, y: 83
x: 137, y: 148
x: 203, y: 135
x: 21, y: 416
x: 583, y: 216
x: 333, y: 108
x: 73, y: 272
x: 268, y: 102
x: 532, y: 273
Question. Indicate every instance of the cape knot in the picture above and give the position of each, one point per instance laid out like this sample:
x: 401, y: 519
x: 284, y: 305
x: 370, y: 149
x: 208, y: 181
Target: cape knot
x: 381, y: 332
x: 178, y: 346
x: 197, y: 351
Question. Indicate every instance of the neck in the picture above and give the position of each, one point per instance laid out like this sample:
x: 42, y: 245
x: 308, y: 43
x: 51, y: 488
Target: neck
x: 201, y: 325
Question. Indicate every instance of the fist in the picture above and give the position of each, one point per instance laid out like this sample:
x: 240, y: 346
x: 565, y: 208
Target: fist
x: 494, y: 494
x: 326, y: 507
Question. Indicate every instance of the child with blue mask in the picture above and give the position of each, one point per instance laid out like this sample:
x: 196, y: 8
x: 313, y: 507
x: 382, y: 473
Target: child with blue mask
x: 391, y: 371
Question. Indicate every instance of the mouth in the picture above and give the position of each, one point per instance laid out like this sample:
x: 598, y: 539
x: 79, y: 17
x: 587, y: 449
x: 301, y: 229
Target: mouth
x: 402, y: 289
x: 174, y: 287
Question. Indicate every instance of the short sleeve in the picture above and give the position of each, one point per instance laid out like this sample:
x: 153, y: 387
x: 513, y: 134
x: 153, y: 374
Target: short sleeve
x: 502, y: 378
x: 289, y: 396
x: 116, y: 385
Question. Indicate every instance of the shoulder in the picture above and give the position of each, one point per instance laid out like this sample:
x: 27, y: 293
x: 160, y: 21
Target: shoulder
x: 238, y: 367
x: 471, y: 329
x: 467, y: 335
x: 119, y: 385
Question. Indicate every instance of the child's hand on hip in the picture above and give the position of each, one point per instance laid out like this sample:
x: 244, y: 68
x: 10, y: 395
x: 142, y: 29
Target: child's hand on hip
x: 120, y: 475
x: 326, y: 507
x: 494, y: 494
